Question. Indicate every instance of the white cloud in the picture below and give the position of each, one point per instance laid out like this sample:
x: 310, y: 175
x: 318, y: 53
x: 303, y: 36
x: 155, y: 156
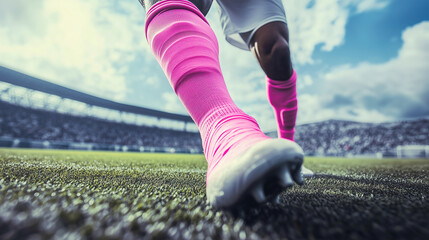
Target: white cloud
x: 312, y: 108
x: 172, y: 103
x: 324, y: 23
x: 304, y: 81
x: 86, y: 45
x: 312, y: 23
x: 151, y: 81
x: 367, y: 5
x: 398, y: 88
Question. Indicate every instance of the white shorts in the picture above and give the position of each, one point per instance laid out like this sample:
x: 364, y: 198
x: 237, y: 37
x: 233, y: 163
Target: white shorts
x: 247, y: 16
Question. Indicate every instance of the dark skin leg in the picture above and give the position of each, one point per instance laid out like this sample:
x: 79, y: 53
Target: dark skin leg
x: 202, y: 5
x: 270, y: 45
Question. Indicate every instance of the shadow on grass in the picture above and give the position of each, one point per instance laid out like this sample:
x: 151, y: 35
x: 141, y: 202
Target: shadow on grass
x: 375, y: 180
x: 343, y: 207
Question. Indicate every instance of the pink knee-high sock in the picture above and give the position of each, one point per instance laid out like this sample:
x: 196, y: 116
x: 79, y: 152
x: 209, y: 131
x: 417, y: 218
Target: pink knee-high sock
x: 282, y: 96
x: 187, y: 50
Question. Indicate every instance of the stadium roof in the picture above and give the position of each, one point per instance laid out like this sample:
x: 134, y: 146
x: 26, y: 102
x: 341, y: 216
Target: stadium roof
x: 23, y: 80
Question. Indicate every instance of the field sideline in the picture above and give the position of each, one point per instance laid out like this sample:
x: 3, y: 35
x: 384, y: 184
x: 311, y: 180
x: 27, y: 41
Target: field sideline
x: 107, y: 195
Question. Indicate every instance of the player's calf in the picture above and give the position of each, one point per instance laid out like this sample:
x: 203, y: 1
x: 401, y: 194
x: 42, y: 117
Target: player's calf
x: 283, y: 98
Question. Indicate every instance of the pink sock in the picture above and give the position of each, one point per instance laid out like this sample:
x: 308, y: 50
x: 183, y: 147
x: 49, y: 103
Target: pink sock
x: 282, y: 96
x: 187, y: 50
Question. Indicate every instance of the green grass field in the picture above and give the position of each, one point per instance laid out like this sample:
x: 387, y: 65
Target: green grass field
x: 105, y: 195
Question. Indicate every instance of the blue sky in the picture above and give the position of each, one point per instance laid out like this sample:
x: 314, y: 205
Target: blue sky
x: 361, y: 60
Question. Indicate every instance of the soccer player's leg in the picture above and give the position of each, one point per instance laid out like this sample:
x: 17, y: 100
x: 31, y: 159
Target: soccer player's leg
x: 270, y: 44
x: 241, y: 159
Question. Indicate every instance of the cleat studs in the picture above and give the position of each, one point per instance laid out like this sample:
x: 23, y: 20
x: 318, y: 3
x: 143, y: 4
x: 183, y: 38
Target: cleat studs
x: 258, y: 193
x: 285, y: 178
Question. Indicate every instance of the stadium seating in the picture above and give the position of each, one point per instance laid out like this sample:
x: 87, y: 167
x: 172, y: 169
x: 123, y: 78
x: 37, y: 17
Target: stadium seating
x: 343, y: 138
x: 334, y: 137
x: 17, y: 122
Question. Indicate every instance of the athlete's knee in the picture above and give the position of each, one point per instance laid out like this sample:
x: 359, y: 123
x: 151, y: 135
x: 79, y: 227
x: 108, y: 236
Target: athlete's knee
x: 279, y: 52
x: 202, y: 5
x: 274, y: 53
x: 270, y: 45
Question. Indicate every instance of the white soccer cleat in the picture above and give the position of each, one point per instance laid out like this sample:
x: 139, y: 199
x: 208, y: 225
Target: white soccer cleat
x: 261, y: 173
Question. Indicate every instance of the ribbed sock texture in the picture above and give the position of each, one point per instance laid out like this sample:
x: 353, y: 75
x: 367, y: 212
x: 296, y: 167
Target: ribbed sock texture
x: 282, y: 96
x: 187, y: 50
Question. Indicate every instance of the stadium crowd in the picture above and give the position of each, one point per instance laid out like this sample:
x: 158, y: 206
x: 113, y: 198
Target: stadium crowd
x: 334, y: 137
x: 340, y: 138
x: 26, y: 123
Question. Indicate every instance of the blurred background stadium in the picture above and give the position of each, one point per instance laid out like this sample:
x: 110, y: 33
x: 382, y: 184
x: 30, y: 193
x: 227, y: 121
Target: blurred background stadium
x: 39, y: 114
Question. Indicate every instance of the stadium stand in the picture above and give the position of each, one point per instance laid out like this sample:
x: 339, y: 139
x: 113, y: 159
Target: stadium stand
x: 333, y: 138
x: 17, y: 122
x: 342, y: 138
